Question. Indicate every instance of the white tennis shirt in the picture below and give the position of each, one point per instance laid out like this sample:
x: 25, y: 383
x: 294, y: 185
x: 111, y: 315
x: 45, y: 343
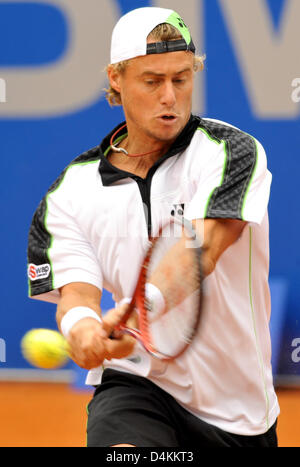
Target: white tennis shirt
x: 93, y: 227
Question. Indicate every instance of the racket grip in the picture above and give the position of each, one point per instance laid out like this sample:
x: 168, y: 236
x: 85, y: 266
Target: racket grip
x: 116, y: 333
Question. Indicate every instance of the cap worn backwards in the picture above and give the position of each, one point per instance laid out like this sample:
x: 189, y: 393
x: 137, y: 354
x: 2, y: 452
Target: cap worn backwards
x: 129, y: 38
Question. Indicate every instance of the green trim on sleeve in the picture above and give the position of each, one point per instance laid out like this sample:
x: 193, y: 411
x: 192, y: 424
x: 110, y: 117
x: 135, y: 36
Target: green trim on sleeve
x: 251, y: 179
x: 29, y: 284
x: 260, y: 360
x: 222, y: 177
x: 214, y: 140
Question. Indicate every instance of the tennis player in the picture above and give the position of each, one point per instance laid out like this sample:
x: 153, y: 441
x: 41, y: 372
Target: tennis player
x: 91, y: 229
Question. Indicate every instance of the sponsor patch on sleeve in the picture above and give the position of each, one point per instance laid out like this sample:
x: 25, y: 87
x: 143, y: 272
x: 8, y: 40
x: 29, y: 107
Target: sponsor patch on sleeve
x: 38, y: 272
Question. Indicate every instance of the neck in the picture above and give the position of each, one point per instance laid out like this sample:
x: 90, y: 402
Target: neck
x: 129, y: 145
x: 136, y: 152
x: 151, y: 151
x: 136, y: 165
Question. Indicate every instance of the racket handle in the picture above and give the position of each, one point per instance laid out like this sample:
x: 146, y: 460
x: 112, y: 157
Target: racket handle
x: 117, y: 331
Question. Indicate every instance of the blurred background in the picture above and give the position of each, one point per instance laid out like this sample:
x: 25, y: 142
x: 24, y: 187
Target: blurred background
x: 52, y: 108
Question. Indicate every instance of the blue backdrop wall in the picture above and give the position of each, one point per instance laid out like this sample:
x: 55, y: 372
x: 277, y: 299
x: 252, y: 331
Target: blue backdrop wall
x: 52, y: 108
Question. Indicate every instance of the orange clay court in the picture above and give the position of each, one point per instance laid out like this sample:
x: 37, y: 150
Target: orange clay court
x: 54, y: 415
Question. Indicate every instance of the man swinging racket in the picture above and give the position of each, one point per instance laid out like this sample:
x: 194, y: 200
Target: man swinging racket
x: 93, y: 229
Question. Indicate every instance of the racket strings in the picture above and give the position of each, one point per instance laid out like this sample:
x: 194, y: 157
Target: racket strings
x: 177, y: 274
x: 175, y: 270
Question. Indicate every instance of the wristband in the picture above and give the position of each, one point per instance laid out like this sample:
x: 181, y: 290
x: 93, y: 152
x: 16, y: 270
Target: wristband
x: 125, y: 300
x: 74, y: 315
x: 155, y: 299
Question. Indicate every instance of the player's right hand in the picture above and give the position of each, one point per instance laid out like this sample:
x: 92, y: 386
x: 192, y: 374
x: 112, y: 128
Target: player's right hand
x: 89, y: 342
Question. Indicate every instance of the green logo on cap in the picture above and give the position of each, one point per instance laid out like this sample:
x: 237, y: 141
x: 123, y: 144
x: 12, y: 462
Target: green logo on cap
x: 176, y: 21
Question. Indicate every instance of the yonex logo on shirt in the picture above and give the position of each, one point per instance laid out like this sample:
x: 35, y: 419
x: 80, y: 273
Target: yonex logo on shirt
x: 38, y: 272
x: 178, y: 210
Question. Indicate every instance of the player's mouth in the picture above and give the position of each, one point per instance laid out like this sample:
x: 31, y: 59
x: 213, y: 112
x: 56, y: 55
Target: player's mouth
x: 168, y: 118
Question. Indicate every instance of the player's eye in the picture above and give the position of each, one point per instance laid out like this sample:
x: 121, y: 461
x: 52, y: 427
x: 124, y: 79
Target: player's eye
x: 150, y: 82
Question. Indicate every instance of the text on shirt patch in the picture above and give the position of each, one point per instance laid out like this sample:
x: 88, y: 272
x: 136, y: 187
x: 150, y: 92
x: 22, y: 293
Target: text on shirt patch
x: 38, y: 272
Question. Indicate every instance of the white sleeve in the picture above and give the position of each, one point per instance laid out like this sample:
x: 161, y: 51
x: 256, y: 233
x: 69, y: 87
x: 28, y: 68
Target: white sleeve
x: 58, y: 252
x: 257, y: 196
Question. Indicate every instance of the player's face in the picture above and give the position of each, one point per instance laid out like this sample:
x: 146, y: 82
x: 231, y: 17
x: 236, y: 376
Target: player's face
x: 156, y: 92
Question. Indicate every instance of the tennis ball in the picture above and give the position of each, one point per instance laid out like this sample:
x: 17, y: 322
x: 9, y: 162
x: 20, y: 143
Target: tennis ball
x: 45, y: 348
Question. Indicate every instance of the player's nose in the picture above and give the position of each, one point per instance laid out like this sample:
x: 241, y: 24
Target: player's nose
x: 168, y: 96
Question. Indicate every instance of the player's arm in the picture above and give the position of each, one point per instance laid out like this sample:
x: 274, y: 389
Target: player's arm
x: 218, y: 235
x: 88, y: 338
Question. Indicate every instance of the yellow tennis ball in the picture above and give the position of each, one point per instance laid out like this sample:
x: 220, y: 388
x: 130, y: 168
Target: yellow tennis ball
x: 45, y: 348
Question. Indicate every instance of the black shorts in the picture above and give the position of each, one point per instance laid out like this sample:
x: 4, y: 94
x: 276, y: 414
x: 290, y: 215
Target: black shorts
x: 129, y: 409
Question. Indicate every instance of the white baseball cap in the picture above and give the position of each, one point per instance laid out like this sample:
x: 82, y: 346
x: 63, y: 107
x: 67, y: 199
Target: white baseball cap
x: 129, y: 38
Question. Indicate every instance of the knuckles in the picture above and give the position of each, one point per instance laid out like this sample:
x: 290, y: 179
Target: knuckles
x: 88, y: 346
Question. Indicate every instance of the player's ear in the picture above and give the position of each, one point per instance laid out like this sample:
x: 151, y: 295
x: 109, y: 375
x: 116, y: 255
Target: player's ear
x: 114, y: 78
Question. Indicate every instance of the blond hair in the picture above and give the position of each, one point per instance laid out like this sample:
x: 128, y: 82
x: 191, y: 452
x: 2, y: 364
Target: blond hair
x: 162, y: 32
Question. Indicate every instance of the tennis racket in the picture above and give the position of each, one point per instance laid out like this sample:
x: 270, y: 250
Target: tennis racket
x: 169, y: 318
